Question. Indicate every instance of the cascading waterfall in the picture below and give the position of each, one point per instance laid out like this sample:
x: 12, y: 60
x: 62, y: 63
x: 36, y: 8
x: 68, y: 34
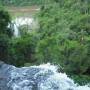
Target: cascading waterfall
x: 20, y: 22
x: 42, y: 77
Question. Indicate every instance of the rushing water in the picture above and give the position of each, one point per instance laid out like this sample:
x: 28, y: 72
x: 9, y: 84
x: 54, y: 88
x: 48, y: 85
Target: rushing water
x: 19, y: 22
x: 42, y: 77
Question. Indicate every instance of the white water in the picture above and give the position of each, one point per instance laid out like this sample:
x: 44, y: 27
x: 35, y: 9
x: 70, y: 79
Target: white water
x: 42, y: 77
x: 21, y: 21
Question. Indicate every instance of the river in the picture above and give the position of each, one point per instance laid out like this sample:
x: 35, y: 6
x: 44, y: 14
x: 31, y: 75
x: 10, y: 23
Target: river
x: 42, y: 77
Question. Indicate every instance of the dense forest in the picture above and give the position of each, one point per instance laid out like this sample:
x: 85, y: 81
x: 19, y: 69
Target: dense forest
x: 63, y: 36
x: 25, y: 2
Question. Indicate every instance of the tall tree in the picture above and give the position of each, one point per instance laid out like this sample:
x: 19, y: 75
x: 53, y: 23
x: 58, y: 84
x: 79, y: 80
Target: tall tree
x: 5, y: 34
x: 5, y: 22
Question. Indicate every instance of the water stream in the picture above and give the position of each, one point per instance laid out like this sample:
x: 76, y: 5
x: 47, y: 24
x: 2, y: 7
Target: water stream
x: 20, y: 21
x: 42, y: 77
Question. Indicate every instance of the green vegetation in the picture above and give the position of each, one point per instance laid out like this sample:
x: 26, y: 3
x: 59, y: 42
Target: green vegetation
x: 5, y: 34
x: 5, y: 20
x: 81, y: 79
x: 63, y: 37
x: 23, y: 50
x: 25, y: 2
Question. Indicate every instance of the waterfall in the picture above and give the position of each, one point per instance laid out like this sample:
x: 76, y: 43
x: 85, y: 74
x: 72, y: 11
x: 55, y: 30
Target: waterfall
x: 42, y: 77
x: 20, y: 22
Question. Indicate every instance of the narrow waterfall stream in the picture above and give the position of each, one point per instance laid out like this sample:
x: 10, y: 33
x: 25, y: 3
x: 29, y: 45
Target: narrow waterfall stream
x: 20, y: 22
x: 42, y: 77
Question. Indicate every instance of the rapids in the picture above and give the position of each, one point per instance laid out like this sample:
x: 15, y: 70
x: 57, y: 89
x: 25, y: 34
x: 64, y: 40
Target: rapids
x: 42, y: 77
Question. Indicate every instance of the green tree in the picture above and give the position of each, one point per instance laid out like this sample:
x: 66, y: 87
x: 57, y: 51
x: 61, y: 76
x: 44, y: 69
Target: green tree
x: 4, y: 45
x: 64, y: 35
x: 5, y: 22
x: 23, y: 50
x: 5, y: 35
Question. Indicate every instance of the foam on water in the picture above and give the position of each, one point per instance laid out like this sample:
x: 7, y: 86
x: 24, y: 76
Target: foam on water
x: 42, y: 77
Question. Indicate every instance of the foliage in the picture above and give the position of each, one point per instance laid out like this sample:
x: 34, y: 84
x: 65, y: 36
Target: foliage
x: 5, y: 21
x: 5, y: 34
x: 4, y: 45
x: 64, y: 35
x: 24, y: 2
x: 23, y: 50
x: 81, y: 79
